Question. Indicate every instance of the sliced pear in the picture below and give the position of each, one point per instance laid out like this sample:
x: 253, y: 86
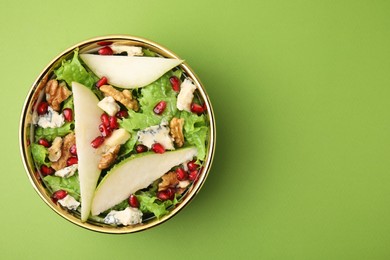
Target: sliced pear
x: 129, y: 71
x: 87, y: 120
x: 134, y: 174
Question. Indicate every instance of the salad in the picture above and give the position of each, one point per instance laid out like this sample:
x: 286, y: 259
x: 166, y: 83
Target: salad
x: 119, y: 135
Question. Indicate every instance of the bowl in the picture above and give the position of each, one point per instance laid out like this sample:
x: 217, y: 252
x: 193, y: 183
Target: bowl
x: 28, y: 126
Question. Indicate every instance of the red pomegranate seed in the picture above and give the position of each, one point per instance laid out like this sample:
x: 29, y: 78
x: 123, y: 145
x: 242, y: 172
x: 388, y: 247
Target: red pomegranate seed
x: 141, y: 148
x: 158, y: 148
x: 42, y: 108
x: 182, y: 175
x: 113, y: 123
x: 193, y: 175
x: 167, y: 194
x: 133, y: 201
x: 196, y: 108
x: 192, y: 166
x: 102, y: 81
x: 160, y: 107
x: 44, y: 142
x: 68, y: 114
x: 105, y: 51
x: 105, y: 119
x: 105, y: 130
x: 175, y: 82
x: 45, y: 170
x: 98, y: 141
x: 122, y: 114
x: 71, y: 160
x: 204, y: 107
x: 73, y: 150
x: 104, y: 43
x: 59, y: 195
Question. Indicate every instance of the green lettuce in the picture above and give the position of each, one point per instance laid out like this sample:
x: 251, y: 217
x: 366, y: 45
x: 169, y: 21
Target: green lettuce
x: 150, y: 203
x: 71, y: 184
x: 73, y: 70
x: 195, y: 131
x: 39, y: 153
x: 159, y: 90
x: 51, y: 133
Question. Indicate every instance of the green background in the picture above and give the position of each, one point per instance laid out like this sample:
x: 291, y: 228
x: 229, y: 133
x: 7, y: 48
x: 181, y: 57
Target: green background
x: 301, y: 95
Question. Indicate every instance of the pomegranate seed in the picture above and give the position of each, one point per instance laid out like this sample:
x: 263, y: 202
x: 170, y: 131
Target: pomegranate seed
x: 204, y: 107
x: 158, y: 148
x: 105, y: 130
x: 45, y: 170
x: 59, y: 195
x: 141, y: 148
x: 175, y: 82
x: 42, y: 108
x: 196, y: 108
x: 104, y: 43
x: 44, y: 142
x: 73, y: 150
x: 160, y: 107
x: 133, y: 201
x: 101, y: 82
x: 105, y: 51
x: 98, y: 141
x: 113, y: 123
x: 68, y: 114
x: 71, y: 160
x: 192, y: 166
x: 167, y: 194
x: 105, y: 119
x: 122, y: 114
x: 193, y: 175
x: 182, y: 175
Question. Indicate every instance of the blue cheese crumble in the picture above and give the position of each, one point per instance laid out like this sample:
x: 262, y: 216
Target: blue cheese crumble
x: 128, y: 216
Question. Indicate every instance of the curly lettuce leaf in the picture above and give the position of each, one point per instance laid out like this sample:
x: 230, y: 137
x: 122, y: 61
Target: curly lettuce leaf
x: 51, y: 133
x: 150, y: 203
x: 39, y: 153
x: 70, y: 185
x: 73, y: 70
x: 196, y: 131
x: 159, y: 90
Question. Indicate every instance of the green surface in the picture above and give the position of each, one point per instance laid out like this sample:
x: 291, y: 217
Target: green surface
x: 301, y: 93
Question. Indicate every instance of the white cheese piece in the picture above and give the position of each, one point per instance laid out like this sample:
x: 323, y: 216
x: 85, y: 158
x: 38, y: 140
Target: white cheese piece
x: 130, y: 50
x: 69, y: 202
x: 156, y: 134
x: 109, y: 105
x: 51, y: 119
x: 128, y: 216
x: 186, y: 95
x: 183, y: 184
x: 67, y: 171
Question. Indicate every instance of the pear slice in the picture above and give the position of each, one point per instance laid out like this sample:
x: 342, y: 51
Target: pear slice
x: 129, y: 71
x: 87, y: 120
x: 134, y: 174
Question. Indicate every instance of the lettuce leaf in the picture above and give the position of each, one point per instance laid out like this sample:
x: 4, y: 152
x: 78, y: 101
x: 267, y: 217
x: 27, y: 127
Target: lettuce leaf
x: 160, y: 90
x: 73, y: 70
x: 71, y: 184
x: 39, y: 153
x: 195, y: 131
x: 150, y: 203
x: 51, y: 133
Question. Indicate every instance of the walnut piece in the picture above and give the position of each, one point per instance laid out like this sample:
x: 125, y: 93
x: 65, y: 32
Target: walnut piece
x: 169, y: 180
x: 176, y: 126
x: 67, y: 142
x: 125, y: 97
x: 55, y: 149
x: 56, y: 93
x: 109, y: 157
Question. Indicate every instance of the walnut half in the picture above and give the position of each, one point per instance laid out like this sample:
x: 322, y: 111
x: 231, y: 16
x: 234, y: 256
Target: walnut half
x: 56, y: 93
x: 109, y: 157
x: 123, y: 97
x: 176, y: 126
